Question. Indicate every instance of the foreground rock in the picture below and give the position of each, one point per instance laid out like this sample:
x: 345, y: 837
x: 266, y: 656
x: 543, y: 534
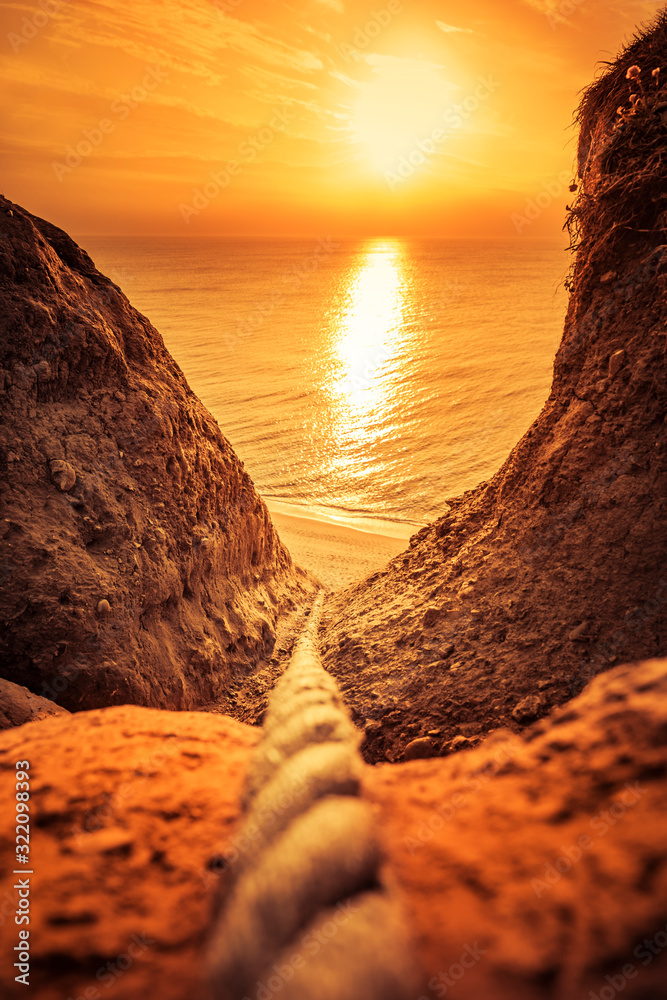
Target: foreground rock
x: 18, y: 706
x: 531, y: 867
x: 554, y: 570
x: 536, y: 867
x: 129, y: 806
x: 137, y: 562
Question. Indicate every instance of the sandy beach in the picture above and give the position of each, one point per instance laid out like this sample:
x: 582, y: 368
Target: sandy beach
x: 336, y: 554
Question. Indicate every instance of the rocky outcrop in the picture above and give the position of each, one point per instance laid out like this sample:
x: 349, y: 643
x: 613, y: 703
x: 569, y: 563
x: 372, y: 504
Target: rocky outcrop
x: 137, y: 562
x: 533, y: 866
x: 18, y: 705
x: 536, y: 867
x: 131, y: 810
x: 554, y: 570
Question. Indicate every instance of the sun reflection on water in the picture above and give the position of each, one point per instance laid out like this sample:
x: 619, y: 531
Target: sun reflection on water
x: 368, y: 335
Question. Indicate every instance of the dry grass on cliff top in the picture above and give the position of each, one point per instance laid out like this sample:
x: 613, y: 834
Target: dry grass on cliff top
x: 623, y: 153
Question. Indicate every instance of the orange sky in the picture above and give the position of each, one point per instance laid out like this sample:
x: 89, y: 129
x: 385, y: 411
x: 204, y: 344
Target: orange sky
x: 399, y: 117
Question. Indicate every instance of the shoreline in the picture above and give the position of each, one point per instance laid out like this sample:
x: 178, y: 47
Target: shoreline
x: 364, y: 525
x: 337, y: 554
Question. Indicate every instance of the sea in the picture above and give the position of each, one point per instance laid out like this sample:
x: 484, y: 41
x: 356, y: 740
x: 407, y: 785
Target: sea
x: 361, y: 382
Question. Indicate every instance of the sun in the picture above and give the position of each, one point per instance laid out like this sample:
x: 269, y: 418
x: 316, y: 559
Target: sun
x: 402, y: 105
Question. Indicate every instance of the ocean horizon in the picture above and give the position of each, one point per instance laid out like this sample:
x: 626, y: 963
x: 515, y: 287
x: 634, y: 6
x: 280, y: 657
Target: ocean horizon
x: 361, y: 382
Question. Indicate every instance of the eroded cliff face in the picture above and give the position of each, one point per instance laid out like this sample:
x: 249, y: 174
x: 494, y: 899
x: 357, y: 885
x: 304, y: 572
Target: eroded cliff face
x: 138, y: 564
x: 555, y: 569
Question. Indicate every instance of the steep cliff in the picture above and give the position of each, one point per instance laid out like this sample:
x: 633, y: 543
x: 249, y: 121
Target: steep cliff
x: 555, y: 569
x: 138, y: 563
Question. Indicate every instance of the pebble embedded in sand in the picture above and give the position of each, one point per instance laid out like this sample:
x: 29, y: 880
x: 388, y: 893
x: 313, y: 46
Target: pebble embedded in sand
x: 103, y: 608
x: 580, y: 633
x: 42, y: 371
x: 431, y: 618
x: 62, y: 474
x: 420, y: 749
x: 459, y: 742
x: 616, y: 362
x: 528, y: 709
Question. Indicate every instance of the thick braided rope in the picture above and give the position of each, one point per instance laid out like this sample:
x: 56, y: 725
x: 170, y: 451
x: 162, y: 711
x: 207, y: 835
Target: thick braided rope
x: 306, y: 917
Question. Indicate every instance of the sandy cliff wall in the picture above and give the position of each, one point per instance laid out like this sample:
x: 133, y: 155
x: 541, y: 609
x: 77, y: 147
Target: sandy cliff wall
x: 555, y: 569
x: 137, y: 562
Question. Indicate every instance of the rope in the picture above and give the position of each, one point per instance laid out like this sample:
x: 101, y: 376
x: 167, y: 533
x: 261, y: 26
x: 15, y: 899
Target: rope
x: 306, y: 916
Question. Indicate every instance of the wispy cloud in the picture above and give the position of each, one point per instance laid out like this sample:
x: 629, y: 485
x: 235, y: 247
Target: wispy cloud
x: 542, y: 5
x: 249, y: 41
x: 186, y: 36
x: 450, y: 29
x: 277, y: 84
x: 223, y: 78
x: 633, y: 8
x: 387, y: 64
